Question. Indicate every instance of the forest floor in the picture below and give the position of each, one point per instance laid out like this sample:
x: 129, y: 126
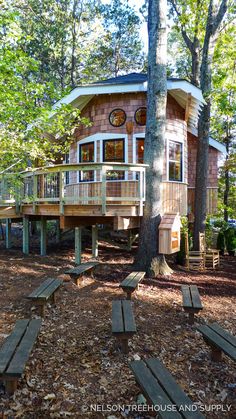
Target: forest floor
x: 76, y: 367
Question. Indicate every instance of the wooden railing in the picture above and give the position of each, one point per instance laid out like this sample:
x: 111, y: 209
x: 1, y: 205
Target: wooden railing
x: 113, y: 183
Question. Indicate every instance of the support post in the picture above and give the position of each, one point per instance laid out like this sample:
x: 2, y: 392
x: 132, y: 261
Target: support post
x: 43, y: 237
x: 61, y: 191
x: 8, y: 233
x: 103, y: 190
x: 58, y: 231
x: 78, y: 245
x: 95, y: 241
x: 26, y: 235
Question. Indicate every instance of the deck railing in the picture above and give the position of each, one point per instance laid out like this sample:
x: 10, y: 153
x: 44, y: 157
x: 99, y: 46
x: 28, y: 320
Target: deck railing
x: 111, y: 183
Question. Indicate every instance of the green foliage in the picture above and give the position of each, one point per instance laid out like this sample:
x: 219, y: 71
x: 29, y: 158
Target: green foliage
x: 46, y: 47
x: 181, y: 255
x: 230, y: 239
x: 221, y: 241
x: 120, y: 47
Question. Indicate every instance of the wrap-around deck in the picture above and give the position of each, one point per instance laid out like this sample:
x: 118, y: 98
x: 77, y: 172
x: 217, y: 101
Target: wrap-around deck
x: 117, y: 189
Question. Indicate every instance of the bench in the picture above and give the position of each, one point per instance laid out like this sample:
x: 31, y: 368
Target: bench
x: 44, y: 292
x: 160, y: 389
x: 123, y: 323
x: 219, y: 341
x: 191, y: 301
x: 131, y: 282
x: 75, y: 273
x: 16, y: 350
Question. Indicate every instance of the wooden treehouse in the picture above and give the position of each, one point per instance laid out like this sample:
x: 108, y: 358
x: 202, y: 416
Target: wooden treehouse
x: 103, y: 181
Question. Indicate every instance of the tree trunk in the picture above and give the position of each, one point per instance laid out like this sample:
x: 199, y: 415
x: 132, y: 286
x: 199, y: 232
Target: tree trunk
x: 147, y: 255
x: 227, y: 183
x: 213, y: 22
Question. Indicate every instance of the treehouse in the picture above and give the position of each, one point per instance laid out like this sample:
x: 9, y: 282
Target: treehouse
x: 103, y: 178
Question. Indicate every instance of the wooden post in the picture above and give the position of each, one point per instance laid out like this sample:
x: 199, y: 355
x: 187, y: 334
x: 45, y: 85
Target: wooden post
x: 78, y: 245
x: 95, y: 241
x: 129, y: 293
x: 43, y: 236
x: 125, y: 345
x: 61, y: 191
x: 129, y: 239
x: 58, y: 231
x: 103, y: 190
x: 11, y: 386
x: 8, y: 233
x: 35, y: 192
x: 216, y: 354
x: 26, y: 235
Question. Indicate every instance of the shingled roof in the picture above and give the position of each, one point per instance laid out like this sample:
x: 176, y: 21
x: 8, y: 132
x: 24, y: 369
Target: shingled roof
x: 129, y: 78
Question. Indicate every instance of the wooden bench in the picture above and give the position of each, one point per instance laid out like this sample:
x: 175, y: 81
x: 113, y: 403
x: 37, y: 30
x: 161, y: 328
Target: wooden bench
x: 191, y: 301
x: 123, y: 323
x: 44, y: 292
x: 75, y: 273
x: 219, y: 341
x: 16, y: 350
x: 161, y: 390
x: 131, y: 282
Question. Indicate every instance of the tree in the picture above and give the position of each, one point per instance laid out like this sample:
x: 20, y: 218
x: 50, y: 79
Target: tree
x: 120, y: 47
x: 22, y: 138
x: 148, y: 258
x: 199, y: 24
x: 223, y: 123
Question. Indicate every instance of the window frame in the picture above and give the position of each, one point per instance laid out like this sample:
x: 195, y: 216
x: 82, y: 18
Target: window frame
x: 87, y: 140
x: 168, y: 160
x: 103, y: 149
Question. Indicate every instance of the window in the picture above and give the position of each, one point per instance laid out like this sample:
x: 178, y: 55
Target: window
x: 139, y: 150
x: 140, y: 116
x: 175, y: 161
x: 113, y: 151
x: 117, y: 117
x: 86, y: 155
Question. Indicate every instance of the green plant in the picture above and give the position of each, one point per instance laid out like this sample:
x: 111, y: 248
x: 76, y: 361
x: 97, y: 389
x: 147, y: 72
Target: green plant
x: 230, y: 239
x: 180, y: 256
x: 221, y: 241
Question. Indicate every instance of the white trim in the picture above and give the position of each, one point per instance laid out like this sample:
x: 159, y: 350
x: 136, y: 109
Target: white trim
x: 180, y: 141
x: 102, y: 89
x: 99, y: 136
x: 134, y: 145
x: 134, y: 140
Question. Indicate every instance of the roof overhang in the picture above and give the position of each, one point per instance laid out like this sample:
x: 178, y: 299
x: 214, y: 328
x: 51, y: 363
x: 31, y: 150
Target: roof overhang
x: 180, y: 90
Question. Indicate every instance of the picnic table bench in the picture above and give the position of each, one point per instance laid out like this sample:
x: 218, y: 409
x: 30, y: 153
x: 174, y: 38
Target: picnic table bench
x: 75, y: 273
x: 162, y: 391
x: 131, y: 282
x: 219, y: 341
x: 15, y: 352
x: 44, y: 292
x: 123, y: 323
x: 191, y: 301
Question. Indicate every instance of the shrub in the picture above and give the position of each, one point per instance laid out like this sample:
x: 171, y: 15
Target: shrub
x: 221, y: 241
x: 180, y: 256
x: 230, y: 239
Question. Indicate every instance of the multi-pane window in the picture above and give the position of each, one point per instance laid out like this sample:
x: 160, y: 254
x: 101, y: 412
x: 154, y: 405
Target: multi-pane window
x: 113, y: 151
x: 175, y: 161
x: 86, y: 155
x: 139, y: 150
